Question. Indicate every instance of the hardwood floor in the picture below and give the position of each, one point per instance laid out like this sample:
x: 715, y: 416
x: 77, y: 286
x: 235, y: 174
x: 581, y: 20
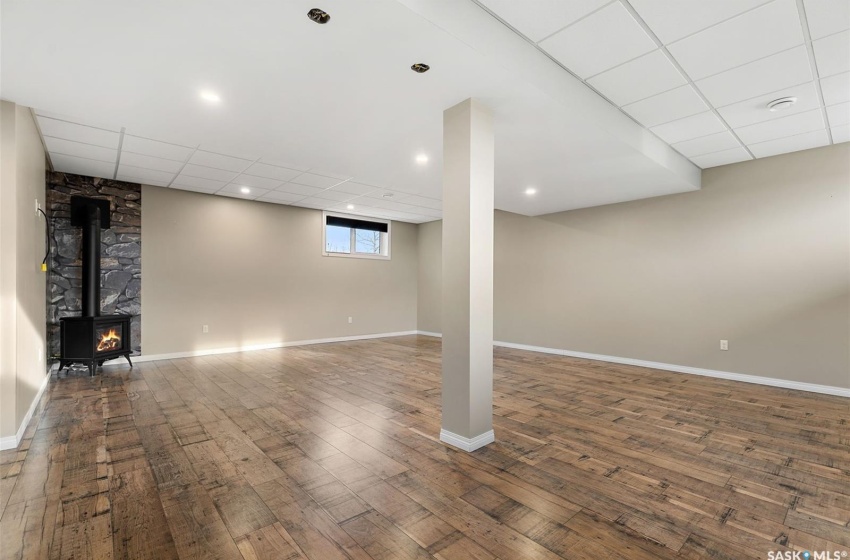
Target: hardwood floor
x: 330, y: 451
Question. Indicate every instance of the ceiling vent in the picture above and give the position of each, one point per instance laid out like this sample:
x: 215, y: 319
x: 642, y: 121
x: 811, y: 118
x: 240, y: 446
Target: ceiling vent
x: 319, y: 16
x: 781, y: 104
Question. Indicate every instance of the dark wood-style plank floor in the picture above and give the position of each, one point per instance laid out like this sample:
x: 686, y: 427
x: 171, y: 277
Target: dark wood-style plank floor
x: 331, y: 451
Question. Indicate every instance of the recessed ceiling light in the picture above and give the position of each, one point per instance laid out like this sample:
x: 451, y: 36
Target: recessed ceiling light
x: 210, y: 96
x: 422, y: 159
x: 319, y: 16
x: 530, y: 191
x: 420, y: 68
x: 245, y: 190
x: 350, y: 207
x: 781, y: 104
x: 387, y: 195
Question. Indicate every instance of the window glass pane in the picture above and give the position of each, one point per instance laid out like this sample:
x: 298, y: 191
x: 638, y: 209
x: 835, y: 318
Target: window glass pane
x: 367, y: 242
x: 337, y: 239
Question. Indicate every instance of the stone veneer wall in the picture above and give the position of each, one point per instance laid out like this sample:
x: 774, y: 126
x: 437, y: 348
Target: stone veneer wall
x: 121, y: 253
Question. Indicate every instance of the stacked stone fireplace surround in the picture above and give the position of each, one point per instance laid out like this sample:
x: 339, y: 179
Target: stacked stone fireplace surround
x: 121, y: 251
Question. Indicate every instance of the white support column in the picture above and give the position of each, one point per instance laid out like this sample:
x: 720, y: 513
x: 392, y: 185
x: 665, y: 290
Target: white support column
x: 468, y: 171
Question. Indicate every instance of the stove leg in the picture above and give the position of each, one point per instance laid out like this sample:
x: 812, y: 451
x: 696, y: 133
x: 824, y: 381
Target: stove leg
x: 128, y: 359
x: 62, y: 364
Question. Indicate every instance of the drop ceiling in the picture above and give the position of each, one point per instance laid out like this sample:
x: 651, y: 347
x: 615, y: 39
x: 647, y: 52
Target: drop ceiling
x: 597, y: 102
x: 699, y: 74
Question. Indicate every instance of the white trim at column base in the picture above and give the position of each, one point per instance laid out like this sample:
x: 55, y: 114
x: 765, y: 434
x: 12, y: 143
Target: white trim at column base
x: 467, y: 444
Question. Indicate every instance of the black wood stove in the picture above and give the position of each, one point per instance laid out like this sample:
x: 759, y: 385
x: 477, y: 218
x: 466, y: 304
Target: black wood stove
x: 93, y: 338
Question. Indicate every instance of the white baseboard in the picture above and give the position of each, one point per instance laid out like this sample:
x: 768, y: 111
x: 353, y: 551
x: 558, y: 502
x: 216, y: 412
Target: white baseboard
x: 757, y: 379
x: 11, y: 442
x: 230, y: 350
x: 467, y: 444
x: 429, y: 333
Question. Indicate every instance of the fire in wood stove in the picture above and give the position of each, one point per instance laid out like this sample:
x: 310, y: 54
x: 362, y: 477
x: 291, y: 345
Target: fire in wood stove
x: 108, y: 338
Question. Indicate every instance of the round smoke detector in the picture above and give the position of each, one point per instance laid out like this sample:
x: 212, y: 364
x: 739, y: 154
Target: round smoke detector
x: 781, y: 104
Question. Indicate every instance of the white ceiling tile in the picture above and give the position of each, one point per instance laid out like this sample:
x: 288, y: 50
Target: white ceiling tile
x: 281, y: 197
x: 295, y: 188
x: 276, y: 162
x: 101, y: 124
x: 141, y: 175
x: 836, y: 89
x: 755, y: 34
x: 355, y: 188
x: 259, y: 182
x: 386, y: 194
x: 141, y: 181
x: 422, y: 201
x: 360, y: 210
x: 392, y: 205
x: 721, y: 158
x: 671, y: 21
x: 197, y: 182
x: 272, y: 172
x: 387, y: 204
x: 780, y: 128
x: 786, y: 69
x: 195, y: 188
x: 236, y: 191
x: 795, y: 143
x: 707, y: 144
x: 537, y: 19
x: 600, y: 41
x: 147, y: 147
x: 208, y: 173
x: 665, y: 107
x: 331, y: 174
x: 755, y: 110
x: 149, y: 162
x: 694, y: 126
x: 840, y: 134
x: 832, y: 54
x: 272, y: 201
x: 219, y: 161
x: 78, y: 133
x: 82, y: 166
x: 78, y: 149
x: 826, y: 17
x: 330, y: 194
x: 638, y: 79
x: 838, y: 114
x: 432, y: 213
x: 314, y: 180
x: 317, y: 203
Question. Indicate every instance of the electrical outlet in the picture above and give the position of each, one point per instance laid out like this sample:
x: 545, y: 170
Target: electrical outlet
x: 37, y: 207
x: 724, y: 345
x: 350, y: 320
x: 206, y: 328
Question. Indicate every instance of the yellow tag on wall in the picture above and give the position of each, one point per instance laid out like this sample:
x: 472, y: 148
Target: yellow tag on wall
x: 44, y: 267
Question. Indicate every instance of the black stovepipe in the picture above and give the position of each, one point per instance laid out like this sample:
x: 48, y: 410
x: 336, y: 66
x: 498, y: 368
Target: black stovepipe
x: 91, y: 262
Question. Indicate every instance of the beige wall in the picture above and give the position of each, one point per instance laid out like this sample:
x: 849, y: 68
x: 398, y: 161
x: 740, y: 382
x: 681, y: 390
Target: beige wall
x: 430, y: 292
x: 254, y: 272
x: 759, y: 256
x: 22, y: 284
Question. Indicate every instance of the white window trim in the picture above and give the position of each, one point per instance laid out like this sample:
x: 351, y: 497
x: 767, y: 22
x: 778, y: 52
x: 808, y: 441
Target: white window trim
x: 353, y: 254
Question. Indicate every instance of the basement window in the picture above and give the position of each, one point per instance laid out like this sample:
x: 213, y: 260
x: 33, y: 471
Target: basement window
x: 355, y: 236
